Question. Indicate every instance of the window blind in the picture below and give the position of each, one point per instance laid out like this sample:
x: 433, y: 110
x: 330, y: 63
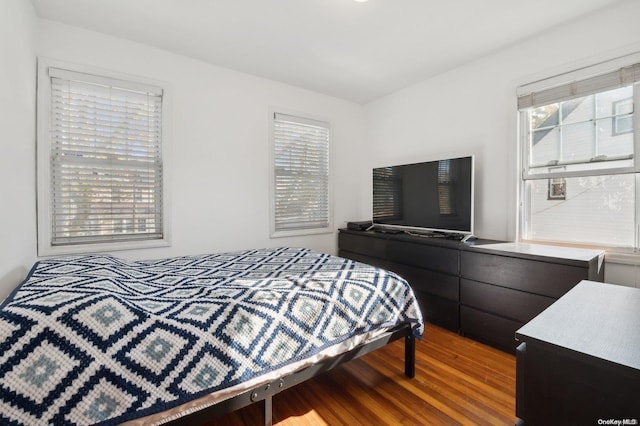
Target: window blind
x: 576, y: 89
x: 301, y: 173
x: 106, y: 159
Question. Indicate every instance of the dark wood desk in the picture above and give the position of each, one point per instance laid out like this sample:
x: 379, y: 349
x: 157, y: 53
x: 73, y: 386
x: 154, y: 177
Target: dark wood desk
x: 579, y: 360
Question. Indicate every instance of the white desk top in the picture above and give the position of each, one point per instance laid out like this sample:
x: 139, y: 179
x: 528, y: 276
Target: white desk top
x: 596, y: 319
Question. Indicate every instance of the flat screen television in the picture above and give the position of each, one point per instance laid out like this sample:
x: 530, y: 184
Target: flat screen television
x: 433, y: 196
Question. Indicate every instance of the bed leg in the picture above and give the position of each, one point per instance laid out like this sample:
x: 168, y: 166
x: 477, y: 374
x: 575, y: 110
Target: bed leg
x: 410, y: 356
x: 268, y: 413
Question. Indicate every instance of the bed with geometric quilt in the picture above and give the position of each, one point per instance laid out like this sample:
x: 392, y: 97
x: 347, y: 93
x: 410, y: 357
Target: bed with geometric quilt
x: 94, y: 339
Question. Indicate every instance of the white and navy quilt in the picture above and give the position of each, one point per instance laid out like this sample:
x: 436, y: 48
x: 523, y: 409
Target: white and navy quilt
x: 96, y: 339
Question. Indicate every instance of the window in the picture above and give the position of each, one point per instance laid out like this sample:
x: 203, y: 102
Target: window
x: 579, y: 150
x: 622, y: 116
x: 300, y: 192
x: 557, y: 189
x: 100, y: 162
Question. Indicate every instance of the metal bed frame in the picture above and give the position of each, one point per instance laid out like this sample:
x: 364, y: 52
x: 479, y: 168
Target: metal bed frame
x: 267, y: 391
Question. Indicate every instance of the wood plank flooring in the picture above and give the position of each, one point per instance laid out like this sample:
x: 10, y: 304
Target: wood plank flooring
x: 458, y: 381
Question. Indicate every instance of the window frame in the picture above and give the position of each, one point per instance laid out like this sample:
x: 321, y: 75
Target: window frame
x: 43, y: 162
x: 273, y: 231
x: 523, y: 230
x: 616, y: 118
x: 523, y: 118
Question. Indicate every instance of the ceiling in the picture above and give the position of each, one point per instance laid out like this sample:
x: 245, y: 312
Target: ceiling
x: 343, y: 48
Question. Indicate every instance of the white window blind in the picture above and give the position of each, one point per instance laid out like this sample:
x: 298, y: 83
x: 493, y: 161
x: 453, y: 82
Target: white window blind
x: 620, y: 77
x: 301, y: 199
x: 106, y: 159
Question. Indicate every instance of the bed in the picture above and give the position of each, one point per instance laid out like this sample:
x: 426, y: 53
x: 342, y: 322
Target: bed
x: 93, y: 339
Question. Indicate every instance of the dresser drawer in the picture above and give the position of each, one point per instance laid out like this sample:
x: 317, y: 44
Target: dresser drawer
x: 544, y: 278
x: 429, y: 257
x: 513, y: 304
x: 373, y: 261
x: 435, y: 283
x: 491, y: 329
x: 363, y: 244
x: 438, y: 311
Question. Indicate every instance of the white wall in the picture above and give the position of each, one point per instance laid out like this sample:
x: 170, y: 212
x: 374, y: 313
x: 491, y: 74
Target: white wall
x: 17, y: 123
x: 220, y: 143
x: 220, y: 131
x: 472, y: 110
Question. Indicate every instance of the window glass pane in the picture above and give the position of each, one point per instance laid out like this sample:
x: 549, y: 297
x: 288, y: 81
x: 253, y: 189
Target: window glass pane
x: 545, y: 147
x: 577, y: 110
x: 544, y: 116
x: 588, y: 133
x: 578, y: 142
x: 586, y: 215
x: 615, y: 122
x: 607, y: 100
x: 612, y: 143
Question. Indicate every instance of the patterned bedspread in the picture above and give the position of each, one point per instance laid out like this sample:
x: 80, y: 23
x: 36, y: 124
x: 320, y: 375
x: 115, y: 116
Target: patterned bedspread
x: 96, y: 339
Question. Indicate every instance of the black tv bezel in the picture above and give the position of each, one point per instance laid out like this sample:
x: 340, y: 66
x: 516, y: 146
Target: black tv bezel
x: 430, y: 230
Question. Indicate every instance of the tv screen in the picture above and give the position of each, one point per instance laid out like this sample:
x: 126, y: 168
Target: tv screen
x: 433, y: 196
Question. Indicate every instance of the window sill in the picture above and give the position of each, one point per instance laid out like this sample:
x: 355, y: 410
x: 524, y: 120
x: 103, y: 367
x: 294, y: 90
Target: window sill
x: 622, y: 256
x: 49, y: 250
x: 300, y: 232
x: 617, y: 255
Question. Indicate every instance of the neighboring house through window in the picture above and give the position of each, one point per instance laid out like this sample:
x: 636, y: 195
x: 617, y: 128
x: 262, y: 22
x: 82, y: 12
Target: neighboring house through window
x: 100, y: 161
x: 300, y: 184
x: 580, y: 167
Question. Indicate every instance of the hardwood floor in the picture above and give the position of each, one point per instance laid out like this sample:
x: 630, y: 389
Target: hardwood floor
x: 458, y: 381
